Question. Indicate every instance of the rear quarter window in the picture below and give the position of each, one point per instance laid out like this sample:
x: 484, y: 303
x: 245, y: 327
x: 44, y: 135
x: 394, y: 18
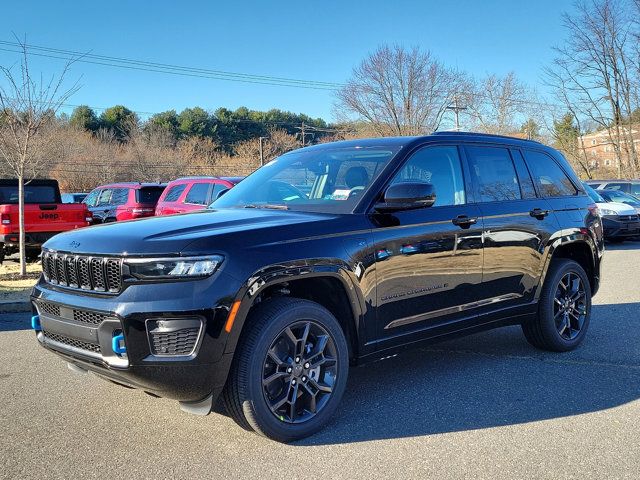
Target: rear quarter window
x: 549, y: 178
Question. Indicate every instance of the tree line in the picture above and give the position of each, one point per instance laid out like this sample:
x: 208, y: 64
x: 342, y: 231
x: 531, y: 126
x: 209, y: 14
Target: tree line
x: 223, y: 126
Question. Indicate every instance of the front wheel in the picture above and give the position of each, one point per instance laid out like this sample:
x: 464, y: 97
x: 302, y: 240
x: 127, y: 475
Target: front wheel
x: 290, y: 370
x: 564, y: 309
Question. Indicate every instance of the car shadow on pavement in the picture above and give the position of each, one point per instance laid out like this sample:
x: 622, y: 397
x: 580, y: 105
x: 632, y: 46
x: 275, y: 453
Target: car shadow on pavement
x: 14, y: 321
x: 490, y: 380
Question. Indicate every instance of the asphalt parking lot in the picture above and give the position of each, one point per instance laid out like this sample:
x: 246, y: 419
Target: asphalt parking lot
x: 487, y: 406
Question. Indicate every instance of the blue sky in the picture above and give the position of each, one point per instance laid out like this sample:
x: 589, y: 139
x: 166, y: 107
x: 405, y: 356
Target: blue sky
x: 307, y: 40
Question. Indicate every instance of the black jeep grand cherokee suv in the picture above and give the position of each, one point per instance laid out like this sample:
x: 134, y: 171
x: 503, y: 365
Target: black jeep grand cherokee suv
x: 326, y: 257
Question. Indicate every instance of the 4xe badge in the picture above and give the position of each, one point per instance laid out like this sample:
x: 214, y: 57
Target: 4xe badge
x: 74, y: 244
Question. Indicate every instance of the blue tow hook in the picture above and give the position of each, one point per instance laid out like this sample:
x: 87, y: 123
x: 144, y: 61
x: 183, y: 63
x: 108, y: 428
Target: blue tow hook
x: 117, y: 344
x: 35, y: 323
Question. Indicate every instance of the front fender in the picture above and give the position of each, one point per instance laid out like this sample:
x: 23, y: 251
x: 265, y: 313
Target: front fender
x: 275, y: 274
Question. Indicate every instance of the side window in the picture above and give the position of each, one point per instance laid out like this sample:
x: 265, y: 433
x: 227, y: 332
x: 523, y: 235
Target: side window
x: 217, y: 188
x: 119, y: 196
x: 198, y: 194
x: 494, y: 173
x: 635, y: 189
x: 439, y: 166
x: 526, y: 184
x: 548, y: 176
x: 174, y: 193
x: 105, y: 197
x: 91, y: 199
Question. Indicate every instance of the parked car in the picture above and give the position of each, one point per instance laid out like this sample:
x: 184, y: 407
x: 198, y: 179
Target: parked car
x: 620, y: 197
x: 73, y: 197
x: 627, y: 186
x: 619, y: 220
x: 270, y: 295
x: 44, y: 215
x: 123, y: 201
x: 189, y: 194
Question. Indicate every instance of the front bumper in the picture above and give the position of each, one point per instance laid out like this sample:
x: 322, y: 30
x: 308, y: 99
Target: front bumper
x: 81, y: 327
x: 617, y: 226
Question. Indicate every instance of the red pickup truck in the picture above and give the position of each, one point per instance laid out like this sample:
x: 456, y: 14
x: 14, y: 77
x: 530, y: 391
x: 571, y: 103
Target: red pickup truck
x: 44, y: 215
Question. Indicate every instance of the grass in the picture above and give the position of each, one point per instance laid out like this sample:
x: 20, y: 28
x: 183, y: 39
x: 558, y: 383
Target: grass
x: 13, y: 287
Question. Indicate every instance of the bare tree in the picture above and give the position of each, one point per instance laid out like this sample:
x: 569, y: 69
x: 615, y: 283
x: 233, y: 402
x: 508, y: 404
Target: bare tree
x: 498, y: 104
x: 399, y: 91
x: 594, y: 75
x: 27, y: 104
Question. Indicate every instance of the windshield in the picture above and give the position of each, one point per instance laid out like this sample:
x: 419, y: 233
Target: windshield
x: 330, y: 180
x: 595, y: 196
x: 621, y: 197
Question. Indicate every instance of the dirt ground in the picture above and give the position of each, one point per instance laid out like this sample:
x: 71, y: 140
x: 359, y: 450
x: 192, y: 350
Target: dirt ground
x: 13, y: 288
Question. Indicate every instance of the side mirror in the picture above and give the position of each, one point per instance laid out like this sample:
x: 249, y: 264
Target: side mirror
x: 407, y: 196
x: 222, y: 192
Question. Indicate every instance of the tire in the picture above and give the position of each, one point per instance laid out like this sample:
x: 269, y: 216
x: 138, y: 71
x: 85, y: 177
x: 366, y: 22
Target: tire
x: 266, y: 351
x: 550, y: 330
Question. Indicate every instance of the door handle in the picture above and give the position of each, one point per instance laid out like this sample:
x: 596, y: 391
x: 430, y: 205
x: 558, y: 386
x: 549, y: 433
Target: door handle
x: 539, y: 213
x: 463, y: 221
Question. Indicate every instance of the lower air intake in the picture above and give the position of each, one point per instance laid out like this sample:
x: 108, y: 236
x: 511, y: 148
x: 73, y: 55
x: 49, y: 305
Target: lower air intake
x: 173, y: 337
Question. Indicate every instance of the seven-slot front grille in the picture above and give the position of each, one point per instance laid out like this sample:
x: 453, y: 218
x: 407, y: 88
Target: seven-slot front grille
x: 99, y: 274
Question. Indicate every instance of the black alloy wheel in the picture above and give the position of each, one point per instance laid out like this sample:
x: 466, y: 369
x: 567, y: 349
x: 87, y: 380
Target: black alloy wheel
x: 289, y: 370
x: 299, y: 372
x: 564, y: 308
x: 570, y: 310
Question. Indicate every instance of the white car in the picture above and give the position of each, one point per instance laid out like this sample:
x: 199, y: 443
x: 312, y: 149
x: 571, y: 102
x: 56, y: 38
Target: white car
x: 619, y: 221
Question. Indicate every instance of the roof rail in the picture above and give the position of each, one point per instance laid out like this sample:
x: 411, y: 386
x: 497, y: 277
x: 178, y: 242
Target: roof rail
x: 481, y: 134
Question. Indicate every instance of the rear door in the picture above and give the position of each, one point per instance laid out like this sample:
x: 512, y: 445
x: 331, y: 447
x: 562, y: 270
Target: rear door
x: 169, y: 200
x: 517, y: 225
x: 428, y: 261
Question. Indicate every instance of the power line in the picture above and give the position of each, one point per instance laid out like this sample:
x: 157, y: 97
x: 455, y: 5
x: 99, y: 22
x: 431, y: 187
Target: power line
x: 154, y: 67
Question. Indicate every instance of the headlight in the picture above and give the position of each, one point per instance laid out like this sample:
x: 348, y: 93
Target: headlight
x: 172, y: 268
x: 606, y: 211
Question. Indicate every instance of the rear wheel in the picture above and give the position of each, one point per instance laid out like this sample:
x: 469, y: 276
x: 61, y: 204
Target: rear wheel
x: 564, y: 309
x: 290, y: 370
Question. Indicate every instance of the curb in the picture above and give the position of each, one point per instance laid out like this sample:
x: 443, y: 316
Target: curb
x: 15, y: 307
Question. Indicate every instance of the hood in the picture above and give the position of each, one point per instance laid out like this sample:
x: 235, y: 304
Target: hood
x: 619, y: 208
x: 173, y: 233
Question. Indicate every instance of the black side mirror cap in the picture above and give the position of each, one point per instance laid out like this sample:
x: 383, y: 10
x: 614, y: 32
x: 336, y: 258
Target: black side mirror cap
x: 407, y: 196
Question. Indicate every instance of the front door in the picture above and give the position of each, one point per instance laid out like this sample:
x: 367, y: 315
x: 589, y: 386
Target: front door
x: 428, y: 261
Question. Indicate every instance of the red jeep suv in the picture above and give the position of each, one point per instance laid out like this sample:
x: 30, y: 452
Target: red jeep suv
x: 192, y: 193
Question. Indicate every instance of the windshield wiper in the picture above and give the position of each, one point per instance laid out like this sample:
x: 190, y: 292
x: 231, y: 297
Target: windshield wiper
x: 267, y: 205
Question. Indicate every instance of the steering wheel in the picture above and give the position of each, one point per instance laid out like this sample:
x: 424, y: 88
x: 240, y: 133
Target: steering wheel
x: 355, y: 191
x: 278, y: 188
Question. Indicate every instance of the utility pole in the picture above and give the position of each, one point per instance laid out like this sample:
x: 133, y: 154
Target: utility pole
x: 303, y: 133
x: 456, y: 110
x: 262, y: 139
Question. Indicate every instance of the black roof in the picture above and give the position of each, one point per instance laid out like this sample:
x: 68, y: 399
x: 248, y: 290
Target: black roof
x: 442, y: 135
